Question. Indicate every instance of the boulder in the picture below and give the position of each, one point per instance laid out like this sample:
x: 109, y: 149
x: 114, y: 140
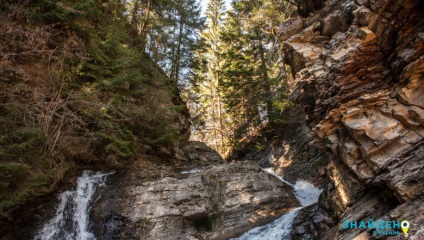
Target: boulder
x: 198, y: 153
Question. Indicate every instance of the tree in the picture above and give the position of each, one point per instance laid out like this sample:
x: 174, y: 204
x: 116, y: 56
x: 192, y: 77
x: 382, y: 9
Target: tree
x: 206, y: 79
x: 188, y: 22
x: 238, y: 81
x: 253, y: 72
x: 166, y: 31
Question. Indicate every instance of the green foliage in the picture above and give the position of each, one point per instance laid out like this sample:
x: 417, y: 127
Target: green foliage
x: 21, y: 143
x: 26, y: 169
x: 238, y: 74
x: 51, y: 12
x: 260, y: 145
x: 122, y: 143
x: 12, y: 174
x: 7, y: 204
x: 211, y: 122
x: 26, y: 185
x: 281, y: 106
x: 134, y: 92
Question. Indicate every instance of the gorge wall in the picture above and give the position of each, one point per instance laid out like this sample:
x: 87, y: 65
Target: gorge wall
x: 359, y: 75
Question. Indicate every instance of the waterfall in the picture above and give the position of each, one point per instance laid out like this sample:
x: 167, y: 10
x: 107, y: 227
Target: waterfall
x: 71, y: 219
x: 306, y: 193
x: 270, y: 171
x: 280, y: 228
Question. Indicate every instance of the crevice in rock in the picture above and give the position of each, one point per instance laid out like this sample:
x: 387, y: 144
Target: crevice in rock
x: 206, y: 223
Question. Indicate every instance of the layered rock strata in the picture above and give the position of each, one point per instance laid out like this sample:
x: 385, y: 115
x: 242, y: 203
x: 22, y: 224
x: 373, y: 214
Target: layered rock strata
x: 359, y: 73
x: 216, y: 202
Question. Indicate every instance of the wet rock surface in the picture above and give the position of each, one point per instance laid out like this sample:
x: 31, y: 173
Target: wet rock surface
x: 216, y: 202
x: 359, y: 74
x: 309, y: 222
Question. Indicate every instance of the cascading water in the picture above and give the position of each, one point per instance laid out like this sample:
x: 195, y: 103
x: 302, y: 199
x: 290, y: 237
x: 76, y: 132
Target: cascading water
x: 306, y: 193
x: 194, y: 170
x: 280, y: 228
x: 270, y: 171
x: 71, y: 219
x: 72, y: 215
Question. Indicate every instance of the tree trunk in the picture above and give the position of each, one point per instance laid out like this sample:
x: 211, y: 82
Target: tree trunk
x: 172, y: 73
x: 180, y: 37
x: 219, y: 109
x: 143, y: 31
x: 134, y: 22
x: 265, y: 78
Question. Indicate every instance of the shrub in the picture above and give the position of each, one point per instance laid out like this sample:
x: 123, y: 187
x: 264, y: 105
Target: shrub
x: 13, y: 174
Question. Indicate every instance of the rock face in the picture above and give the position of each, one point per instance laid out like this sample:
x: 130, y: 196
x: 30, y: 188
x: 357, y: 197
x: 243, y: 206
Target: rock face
x: 211, y: 203
x: 194, y: 152
x: 285, y: 149
x: 359, y: 73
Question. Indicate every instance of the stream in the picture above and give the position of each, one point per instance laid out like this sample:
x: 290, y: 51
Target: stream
x: 71, y: 220
x: 280, y: 228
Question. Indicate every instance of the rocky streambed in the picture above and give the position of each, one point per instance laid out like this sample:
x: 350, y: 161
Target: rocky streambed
x: 215, y: 202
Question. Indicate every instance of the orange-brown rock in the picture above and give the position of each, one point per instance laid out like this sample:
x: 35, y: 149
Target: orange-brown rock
x: 359, y: 73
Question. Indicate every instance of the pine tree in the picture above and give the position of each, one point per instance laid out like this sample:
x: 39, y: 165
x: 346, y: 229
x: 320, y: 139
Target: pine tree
x: 167, y: 31
x: 187, y: 23
x: 206, y: 78
x: 253, y: 73
x: 238, y: 82
x: 237, y: 76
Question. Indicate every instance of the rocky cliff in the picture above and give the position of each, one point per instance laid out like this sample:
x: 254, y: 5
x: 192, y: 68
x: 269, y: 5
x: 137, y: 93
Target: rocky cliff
x: 359, y: 74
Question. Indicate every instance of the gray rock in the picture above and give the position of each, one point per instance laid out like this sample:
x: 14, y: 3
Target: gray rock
x: 216, y: 203
x: 197, y: 153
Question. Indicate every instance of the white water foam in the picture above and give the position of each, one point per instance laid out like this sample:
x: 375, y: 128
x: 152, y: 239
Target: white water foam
x: 72, y: 215
x: 194, y: 170
x: 280, y: 228
x: 270, y: 171
x: 306, y: 193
